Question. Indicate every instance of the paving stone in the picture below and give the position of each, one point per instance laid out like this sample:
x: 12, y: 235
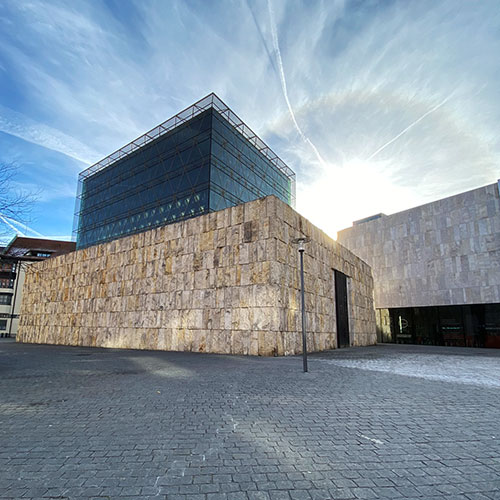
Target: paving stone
x: 92, y: 423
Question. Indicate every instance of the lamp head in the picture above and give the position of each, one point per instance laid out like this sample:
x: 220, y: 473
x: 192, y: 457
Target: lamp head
x: 301, y: 241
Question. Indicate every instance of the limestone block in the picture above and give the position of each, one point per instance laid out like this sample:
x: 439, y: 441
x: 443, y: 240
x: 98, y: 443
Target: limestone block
x: 234, y: 295
x: 237, y: 215
x: 213, y: 340
x: 260, y: 319
x: 220, y: 297
x: 233, y: 235
x: 222, y: 218
x: 246, y: 273
x: 236, y: 342
x: 267, y: 343
x: 212, y: 278
x: 246, y: 318
x: 201, y: 279
x: 197, y: 340
x: 261, y: 272
x: 235, y: 318
x: 228, y: 318
x: 188, y: 281
x: 254, y: 344
x: 244, y: 257
x: 207, y: 241
x: 164, y: 339
x: 207, y: 260
x: 275, y: 272
x: 265, y: 295
x: 207, y: 320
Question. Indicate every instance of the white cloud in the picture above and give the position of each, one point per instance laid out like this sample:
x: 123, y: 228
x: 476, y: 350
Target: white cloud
x: 425, y: 73
x: 357, y: 76
x: 21, y: 126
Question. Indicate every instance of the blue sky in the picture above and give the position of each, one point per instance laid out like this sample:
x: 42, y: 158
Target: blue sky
x: 377, y: 105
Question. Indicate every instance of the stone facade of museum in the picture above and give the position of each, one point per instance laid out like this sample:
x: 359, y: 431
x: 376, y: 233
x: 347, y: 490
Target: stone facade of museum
x: 225, y: 282
x: 436, y: 269
x: 443, y: 253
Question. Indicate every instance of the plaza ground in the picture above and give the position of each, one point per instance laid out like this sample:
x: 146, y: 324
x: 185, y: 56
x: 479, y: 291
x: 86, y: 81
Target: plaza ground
x: 377, y: 422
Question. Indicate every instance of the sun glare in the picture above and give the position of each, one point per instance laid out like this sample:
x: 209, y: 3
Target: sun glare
x: 357, y: 189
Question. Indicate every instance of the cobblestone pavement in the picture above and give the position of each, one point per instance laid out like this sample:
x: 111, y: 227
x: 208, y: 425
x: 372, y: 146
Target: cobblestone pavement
x: 465, y: 366
x: 96, y: 423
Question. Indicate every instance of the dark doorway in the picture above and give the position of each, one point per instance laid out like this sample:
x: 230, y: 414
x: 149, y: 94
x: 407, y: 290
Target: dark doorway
x: 402, y: 325
x: 341, y: 309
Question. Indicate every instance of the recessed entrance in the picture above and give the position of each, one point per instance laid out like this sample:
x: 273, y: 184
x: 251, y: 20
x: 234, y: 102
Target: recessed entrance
x: 342, y: 310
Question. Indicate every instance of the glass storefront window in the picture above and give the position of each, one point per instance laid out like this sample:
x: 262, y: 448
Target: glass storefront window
x: 475, y: 325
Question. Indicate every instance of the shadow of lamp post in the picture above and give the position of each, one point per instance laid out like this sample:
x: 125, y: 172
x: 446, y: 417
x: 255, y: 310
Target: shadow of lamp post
x: 301, y: 242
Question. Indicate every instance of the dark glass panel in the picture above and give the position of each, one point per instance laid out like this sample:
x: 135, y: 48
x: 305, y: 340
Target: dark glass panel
x: 451, y: 326
x: 492, y: 325
x: 140, y: 191
x: 474, y: 325
x: 239, y: 168
x: 426, y: 325
x: 402, y: 325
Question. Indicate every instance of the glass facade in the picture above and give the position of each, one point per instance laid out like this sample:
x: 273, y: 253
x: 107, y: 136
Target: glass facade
x: 164, y: 181
x: 476, y: 325
x: 239, y: 172
x: 207, y: 161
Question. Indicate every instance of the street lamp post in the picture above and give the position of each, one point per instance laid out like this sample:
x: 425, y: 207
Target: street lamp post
x: 300, y: 242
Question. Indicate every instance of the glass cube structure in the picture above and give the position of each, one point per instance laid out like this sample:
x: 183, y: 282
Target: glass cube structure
x: 201, y: 160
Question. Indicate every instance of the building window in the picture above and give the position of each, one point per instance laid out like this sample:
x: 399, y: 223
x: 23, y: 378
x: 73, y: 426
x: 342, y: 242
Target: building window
x: 5, y: 299
x: 3, y: 324
x: 8, y: 266
x: 6, y: 283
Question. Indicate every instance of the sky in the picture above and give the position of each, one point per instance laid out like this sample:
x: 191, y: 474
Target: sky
x: 378, y: 106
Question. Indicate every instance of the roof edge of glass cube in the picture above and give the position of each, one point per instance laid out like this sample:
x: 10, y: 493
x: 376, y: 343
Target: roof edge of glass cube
x: 207, y: 102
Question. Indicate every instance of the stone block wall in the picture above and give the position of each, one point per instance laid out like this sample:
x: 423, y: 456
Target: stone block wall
x: 225, y: 282
x: 442, y: 253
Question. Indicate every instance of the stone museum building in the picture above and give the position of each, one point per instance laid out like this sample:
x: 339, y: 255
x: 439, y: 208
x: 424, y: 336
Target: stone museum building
x: 184, y: 242
x: 436, y: 270
x: 224, y: 282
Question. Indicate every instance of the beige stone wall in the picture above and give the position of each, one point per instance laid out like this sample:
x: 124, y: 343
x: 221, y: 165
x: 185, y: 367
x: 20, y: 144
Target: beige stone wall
x: 226, y: 282
x: 442, y: 253
x: 384, y: 333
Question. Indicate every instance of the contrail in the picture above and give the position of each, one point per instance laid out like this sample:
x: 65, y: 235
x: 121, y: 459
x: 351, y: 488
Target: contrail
x: 11, y: 226
x: 262, y: 38
x: 283, y: 82
x: 26, y: 228
x: 30, y: 229
x: 418, y: 120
